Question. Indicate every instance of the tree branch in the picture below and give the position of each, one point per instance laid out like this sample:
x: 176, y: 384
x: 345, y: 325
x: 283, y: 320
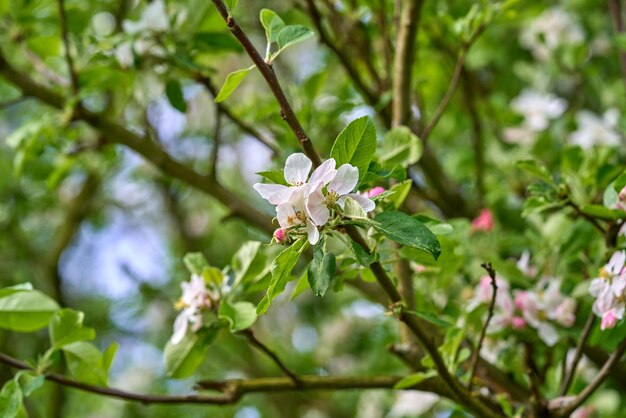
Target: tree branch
x: 242, y: 124
x: 403, y: 61
x: 66, y: 46
x: 254, y: 341
x: 568, y: 376
x: 595, y: 384
x: 141, y: 145
x: 268, y: 74
x: 474, y: 363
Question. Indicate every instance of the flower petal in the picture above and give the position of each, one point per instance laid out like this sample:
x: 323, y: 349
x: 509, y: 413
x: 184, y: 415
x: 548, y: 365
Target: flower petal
x: 324, y: 173
x: 312, y: 231
x: 287, y: 216
x: 346, y: 179
x: 283, y: 195
x: 316, y: 207
x: 180, y: 327
x: 266, y: 190
x: 297, y: 168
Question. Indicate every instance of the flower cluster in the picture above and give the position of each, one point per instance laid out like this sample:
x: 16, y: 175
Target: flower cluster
x: 307, y: 201
x: 594, y: 130
x: 609, y: 289
x: 538, y: 109
x: 196, y: 298
x: 540, y: 308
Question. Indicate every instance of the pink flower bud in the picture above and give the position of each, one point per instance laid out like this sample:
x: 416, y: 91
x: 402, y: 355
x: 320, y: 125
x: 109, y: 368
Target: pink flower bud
x: 280, y: 235
x: 483, y: 222
x: 375, y: 191
x: 609, y: 320
x: 518, y: 322
x: 521, y: 300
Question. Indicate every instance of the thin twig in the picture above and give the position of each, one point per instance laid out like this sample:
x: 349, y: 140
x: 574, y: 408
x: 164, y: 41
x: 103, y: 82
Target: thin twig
x: 66, y: 46
x: 242, y: 124
x: 569, y: 374
x: 595, y: 384
x: 454, y: 82
x: 474, y: 363
x: 265, y: 350
x: 587, y: 217
x: 268, y: 74
x: 216, y: 142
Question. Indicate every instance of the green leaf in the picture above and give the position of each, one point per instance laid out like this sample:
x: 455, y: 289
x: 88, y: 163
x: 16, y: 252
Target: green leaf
x: 362, y: 256
x: 66, y: 327
x: 26, y: 311
x: 109, y: 354
x: 291, y: 35
x: 232, y: 82
x: 10, y: 399
x: 231, y: 4
x: 217, y: 41
x: 274, y: 176
x: 248, y: 262
x: 451, y: 343
x: 400, y: 192
x: 195, y: 263
x: 414, y: 379
x: 174, y: 92
x: 536, y: 169
x: 301, y: 286
x: 84, y: 362
x: 33, y: 382
x: 272, y: 23
x: 212, y: 276
x: 356, y: 144
x: 353, y: 210
x: 430, y: 317
x: 240, y: 315
x: 182, y: 359
x: 5, y: 291
x: 400, y: 147
x: 406, y: 230
x: 598, y: 211
x: 281, y: 269
x: 322, y: 270
x: 619, y: 183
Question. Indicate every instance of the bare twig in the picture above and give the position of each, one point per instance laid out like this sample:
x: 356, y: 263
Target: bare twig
x: 242, y: 124
x: 595, y: 384
x: 254, y: 341
x: 66, y: 46
x: 454, y: 82
x: 474, y: 363
x: 267, y: 71
x: 587, y: 217
x: 568, y: 374
x: 216, y: 142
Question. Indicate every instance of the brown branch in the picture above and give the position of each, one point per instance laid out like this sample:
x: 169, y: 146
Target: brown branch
x: 595, y: 384
x: 569, y: 374
x: 474, y: 363
x: 254, y: 341
x: 403, y: 61
x: 234, y: 389
x: 148, y: 149
x: 615, y: 8
x: 587, y: 217
x: 66, y: 46
x: 242, y: 124
x: 268, y: 74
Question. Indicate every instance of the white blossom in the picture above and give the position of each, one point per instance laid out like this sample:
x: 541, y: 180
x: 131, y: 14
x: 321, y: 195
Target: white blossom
x: 551, y: 30
x: 594, y: 130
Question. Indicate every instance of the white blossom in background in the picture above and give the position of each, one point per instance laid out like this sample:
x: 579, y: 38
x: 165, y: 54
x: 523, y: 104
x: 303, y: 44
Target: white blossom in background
x: 544, y: 306
x: 306, y: 201
x: 537, y: 109
x: 153, y: 18
x: 195, y: 298
x: 552, y: 29
x: 594, y: 130
x: 609, y: 291
x: 412, y: 403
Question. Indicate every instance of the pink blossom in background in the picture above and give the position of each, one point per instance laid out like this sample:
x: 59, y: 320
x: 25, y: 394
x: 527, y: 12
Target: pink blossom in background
x: 483, y: 222
x: 518, y: 322
x: 621, y: 204
x: 375, y: 191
